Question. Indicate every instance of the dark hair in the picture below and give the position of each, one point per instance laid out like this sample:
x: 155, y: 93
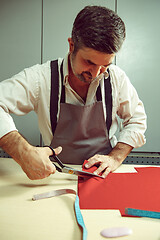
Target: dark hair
x: 98, y: 28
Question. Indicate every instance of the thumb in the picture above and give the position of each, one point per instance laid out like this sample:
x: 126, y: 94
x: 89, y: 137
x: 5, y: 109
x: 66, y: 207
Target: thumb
x: 58, y: 150
x: 50, y: 150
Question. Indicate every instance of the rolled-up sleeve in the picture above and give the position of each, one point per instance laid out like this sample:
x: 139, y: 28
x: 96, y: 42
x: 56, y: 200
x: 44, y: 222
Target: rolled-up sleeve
x: 6, y: 123
x: 18, y: 95
x: 131, y: 110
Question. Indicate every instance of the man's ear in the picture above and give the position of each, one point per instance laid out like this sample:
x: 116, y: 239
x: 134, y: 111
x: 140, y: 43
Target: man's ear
x: 71, y: 45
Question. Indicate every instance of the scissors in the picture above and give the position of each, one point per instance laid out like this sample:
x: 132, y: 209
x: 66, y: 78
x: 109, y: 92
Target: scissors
x: 65, y: 169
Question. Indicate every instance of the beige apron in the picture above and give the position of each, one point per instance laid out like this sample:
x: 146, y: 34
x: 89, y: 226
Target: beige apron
x: 82, y: 132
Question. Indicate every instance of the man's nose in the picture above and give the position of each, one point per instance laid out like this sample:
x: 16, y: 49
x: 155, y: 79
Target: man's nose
x: 97, y: 70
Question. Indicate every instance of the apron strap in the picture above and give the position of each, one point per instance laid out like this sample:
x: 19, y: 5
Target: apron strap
x: 63, y: 87
x: 54, y: 100
x: 99, y: 94
x: 108, y: 99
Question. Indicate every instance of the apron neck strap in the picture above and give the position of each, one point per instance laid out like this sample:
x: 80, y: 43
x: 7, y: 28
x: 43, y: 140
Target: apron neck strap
x: 54, y: 96
x: 63, y: 87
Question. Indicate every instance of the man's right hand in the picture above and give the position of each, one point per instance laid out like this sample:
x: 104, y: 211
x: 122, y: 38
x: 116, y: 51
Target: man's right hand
x: 34, y: 161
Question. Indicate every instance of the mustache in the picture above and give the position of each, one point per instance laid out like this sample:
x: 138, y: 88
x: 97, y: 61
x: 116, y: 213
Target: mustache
x: 87, y: 74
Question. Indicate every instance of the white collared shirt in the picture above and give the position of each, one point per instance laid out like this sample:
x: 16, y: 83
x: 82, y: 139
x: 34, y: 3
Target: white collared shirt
x: 30, y: 91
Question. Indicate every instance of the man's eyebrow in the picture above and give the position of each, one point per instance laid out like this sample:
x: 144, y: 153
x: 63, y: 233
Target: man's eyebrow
x: 107, y: 64
x: 92, y: 63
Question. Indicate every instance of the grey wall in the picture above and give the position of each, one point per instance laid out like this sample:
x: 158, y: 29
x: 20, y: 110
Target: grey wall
x: 26, y: 40
x: 58, y: 21
x: 20, y: 47
x: 140, y: 58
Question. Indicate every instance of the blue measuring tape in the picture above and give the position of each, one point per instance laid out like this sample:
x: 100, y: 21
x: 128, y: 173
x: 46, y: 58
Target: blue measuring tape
x: 142, y: 213
x: 59, y: 192
x: 80, y: 218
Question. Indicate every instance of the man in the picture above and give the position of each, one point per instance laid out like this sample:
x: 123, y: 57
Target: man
x: 76, y: 100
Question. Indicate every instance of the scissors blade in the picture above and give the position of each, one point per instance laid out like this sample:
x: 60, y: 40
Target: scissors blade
x: 79, y: 172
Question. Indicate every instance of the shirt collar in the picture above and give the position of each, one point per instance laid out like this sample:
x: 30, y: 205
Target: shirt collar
x: 65, y: 69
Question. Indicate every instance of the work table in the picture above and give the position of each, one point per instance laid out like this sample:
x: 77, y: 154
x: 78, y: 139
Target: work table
x: 54, y: 218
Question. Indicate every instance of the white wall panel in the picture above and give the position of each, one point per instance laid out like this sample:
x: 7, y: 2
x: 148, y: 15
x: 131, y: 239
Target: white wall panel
x: 140, y: 57
x: 58, y: 21
x: 20, y: 47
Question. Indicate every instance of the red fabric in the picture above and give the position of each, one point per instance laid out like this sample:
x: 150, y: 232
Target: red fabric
x: 139, y: 190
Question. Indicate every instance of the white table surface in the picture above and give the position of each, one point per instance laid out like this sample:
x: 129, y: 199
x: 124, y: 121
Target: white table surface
x: 54, y: 218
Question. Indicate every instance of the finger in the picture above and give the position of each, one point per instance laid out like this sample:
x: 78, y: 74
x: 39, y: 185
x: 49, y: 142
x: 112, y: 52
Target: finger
x: 100, y: 169
x: 92, y: 161
x: 106, y: 172
x: 56, y: 150
x: 42, y: 172
x: 51, y: 169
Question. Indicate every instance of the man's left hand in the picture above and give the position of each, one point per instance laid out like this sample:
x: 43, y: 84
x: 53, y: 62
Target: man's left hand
x: 106, y: 164
x: 109, y: 163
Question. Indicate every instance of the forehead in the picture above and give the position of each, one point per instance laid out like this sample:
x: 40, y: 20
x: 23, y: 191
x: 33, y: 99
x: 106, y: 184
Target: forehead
x: 96, y: 57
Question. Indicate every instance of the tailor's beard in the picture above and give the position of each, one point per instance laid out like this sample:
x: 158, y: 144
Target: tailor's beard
x: 84, y: 76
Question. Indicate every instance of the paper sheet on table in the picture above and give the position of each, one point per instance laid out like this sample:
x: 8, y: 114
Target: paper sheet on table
x: 125, y: 169
x: 139, y: 189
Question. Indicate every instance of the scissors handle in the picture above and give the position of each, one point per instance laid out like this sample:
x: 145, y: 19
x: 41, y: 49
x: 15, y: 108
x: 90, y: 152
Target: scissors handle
x: 56, y: 158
